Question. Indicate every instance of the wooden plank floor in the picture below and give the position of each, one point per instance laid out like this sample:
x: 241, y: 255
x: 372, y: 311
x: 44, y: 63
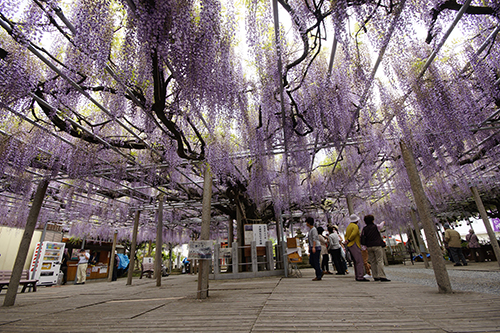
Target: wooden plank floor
x: 273, y: 304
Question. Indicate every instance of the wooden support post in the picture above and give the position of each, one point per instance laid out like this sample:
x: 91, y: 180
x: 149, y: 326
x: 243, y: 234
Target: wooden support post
x: 204, y: 271
x: 24, y: 246
x: 253, y: 254
x: 421, y: 244
x: 230, y: 233
x: 240, y: 233
x: 159, y: 241
x: 111, y: 267
x: 217, y: 260
x: 234, y: 258
x: 131, y: 265
x: 487, y: 224
x: 440, y: 272
x: 269, y: 255
x: 170, y: 257
x: 230, y: 237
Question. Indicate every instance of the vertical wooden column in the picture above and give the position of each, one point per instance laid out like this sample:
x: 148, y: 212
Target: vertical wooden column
x: 131, y: 265
x: 421, y: 244
x: 487, y: 224
x: 269, y: 255
x: 234, y: 258
x: 111, y: 267
x: 230, y: 232
x: 217, y: 260
x: 204, y: 271
x: 159, y: 241
x: 440, y: 272
x: 230, y: 237
x: 282, y: 245
x: 253, y: 254
x: 240, y: 233
x: 24, y: 246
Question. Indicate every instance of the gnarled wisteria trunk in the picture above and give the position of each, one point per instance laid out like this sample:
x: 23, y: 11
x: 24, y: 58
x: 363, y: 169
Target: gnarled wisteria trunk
x: 440, y: 272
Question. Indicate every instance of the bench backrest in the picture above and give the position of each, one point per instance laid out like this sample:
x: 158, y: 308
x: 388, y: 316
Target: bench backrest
x: 5, y: 275
x: 148, y: 266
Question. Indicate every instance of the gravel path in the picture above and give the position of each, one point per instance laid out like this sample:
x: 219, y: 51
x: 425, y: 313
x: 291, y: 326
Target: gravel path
x: 465, y: 279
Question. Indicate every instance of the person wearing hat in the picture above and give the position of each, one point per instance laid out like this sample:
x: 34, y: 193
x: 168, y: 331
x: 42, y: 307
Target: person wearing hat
x: 314, y: 248
x: 352, y: 239
x: 474, y: 246
x: 452, y: 237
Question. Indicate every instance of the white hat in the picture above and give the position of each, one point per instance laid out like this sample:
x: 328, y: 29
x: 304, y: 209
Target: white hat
x: 353, y: 218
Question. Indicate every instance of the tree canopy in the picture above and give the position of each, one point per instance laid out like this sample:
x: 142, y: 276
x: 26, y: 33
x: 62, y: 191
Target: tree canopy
x: 294, y: 105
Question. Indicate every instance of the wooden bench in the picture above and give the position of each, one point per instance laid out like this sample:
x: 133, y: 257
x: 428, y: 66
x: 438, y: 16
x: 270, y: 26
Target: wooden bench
x: 147, y: 269
x: 25, y: 280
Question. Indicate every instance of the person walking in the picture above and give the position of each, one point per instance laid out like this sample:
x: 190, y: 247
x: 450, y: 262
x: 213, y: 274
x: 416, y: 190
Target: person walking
x: 352, y: 240
x: 334, y: 250
x: 64, y: 266
x: 474, y: 246
x: 324, y: 251
x: 314, y: 248
x: 452, y: 238
x: 370, y: 237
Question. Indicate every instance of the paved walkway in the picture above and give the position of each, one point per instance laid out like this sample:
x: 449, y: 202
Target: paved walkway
x: 335, y: 304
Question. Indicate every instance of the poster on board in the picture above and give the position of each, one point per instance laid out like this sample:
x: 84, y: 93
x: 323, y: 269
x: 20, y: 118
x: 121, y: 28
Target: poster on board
x: 200, y: 249
x: 257, y: 233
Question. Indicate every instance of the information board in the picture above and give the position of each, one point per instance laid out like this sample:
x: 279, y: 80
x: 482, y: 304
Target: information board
x: 201, y: 249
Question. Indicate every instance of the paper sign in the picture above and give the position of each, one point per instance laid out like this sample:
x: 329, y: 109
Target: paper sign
x: 201, y: 249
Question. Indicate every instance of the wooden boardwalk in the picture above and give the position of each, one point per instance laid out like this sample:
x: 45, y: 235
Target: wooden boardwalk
x: 272, y: 304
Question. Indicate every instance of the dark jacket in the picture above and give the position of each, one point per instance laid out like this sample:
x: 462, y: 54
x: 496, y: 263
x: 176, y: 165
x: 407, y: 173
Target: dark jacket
x: 372, y: 236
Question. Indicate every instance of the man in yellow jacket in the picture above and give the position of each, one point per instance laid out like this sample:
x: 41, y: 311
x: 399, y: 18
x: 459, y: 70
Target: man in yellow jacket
x: 352, y: 240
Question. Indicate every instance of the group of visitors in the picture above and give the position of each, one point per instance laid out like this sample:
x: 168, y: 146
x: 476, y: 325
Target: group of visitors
x: 453, y: 243
x: 368, y: 240
x: 366, y: 248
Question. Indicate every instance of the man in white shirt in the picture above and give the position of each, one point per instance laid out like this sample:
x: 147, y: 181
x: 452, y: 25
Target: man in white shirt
x: 82, y: 267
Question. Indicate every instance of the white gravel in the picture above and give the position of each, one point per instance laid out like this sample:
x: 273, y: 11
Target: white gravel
x: 461, y: 279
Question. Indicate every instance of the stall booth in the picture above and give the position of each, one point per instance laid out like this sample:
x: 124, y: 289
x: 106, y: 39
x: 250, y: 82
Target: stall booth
x: 99, y: 258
